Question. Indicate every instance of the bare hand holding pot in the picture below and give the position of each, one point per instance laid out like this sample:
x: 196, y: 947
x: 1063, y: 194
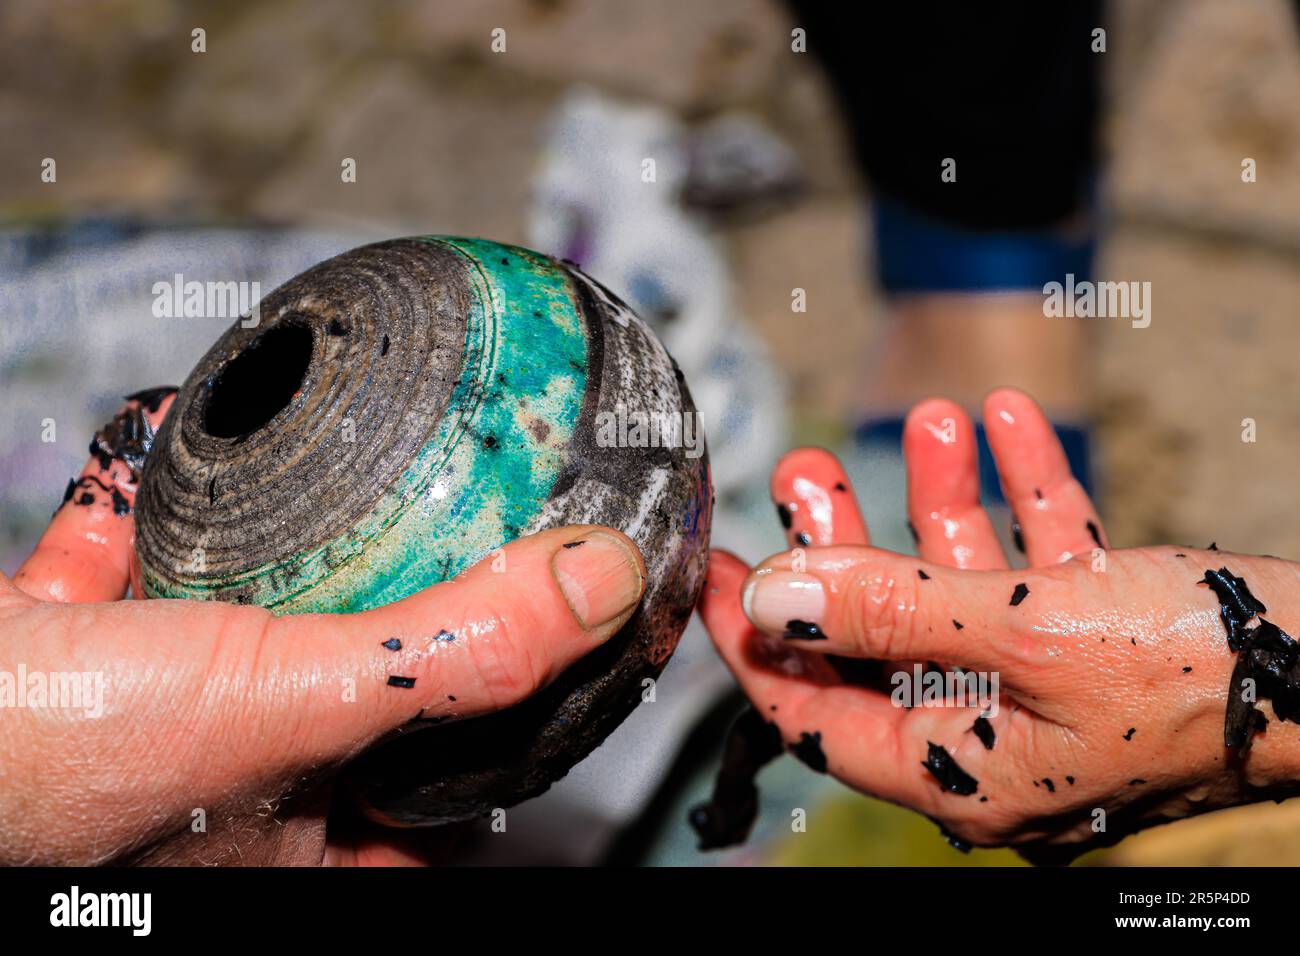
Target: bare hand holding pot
x: 220, y: 726
x: 371, y: 444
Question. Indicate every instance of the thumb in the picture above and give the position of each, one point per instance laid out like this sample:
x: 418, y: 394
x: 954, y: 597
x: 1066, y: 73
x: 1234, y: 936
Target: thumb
x: 235, y: 698
x: 209, y: 705
x: 864, y: 602
x: 481, y: 642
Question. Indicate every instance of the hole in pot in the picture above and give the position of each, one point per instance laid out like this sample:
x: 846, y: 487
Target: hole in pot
x: 258, y: 382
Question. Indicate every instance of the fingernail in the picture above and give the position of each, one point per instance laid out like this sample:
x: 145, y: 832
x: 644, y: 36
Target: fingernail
x: 599, y: 577
x: 773, y: 600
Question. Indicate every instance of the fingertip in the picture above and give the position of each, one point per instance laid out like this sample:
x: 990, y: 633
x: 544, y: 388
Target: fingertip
x: 1008, y: 406
x: 553, y: 541
x: 633, y: 551
x: 937, y: 422
x: 722, y: 582
x: 725, y: 565
x: 719, y: 603
x: 602, y: 576
x: 815, y: 500
x: 86, y: 553
x: 942, y: 468
x: 1024, y: 443
x: 796, y: 462
x: 934, y: 408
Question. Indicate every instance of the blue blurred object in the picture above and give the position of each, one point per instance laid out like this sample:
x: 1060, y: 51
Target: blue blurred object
x: 919, y: 253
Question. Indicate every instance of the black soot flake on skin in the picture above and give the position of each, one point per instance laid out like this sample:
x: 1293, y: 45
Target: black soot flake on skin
x: 985, y: 732
x: 1236, y: 604
x: 574, y: 544
x: 1051, y: 787
x: 151, y: 398
x: 1266, y: 656
x: 1238, y: 717
x: 922, y: 575
x: 809, y: 751
x: 403, y: 682
x: 803, y: 538
x: 121, y: 507
x: 857, y: 671
x: 954, y: 841
x: 840, y: 486
x: 797, y: 630
x: 128, y: 436
x: 393, y: 644
x: 1019, y: 594
x: 424, y: 721
x: 1129, y: 733
x: 116, y: 500
x: 1069, y: 780
x: 1271, y: 657
x: 444, y: 636
x: 783, y: 513
x: 948, y: 772
x: 726, y: 819
x: 957, y: 624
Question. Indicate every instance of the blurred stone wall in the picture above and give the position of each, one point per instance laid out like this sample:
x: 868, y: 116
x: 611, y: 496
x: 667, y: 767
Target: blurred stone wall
x: 445, y: 134
x: 444, y: 131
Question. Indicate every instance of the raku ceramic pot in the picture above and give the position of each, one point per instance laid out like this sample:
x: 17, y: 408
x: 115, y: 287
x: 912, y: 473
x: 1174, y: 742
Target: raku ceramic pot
x: 399, y: 412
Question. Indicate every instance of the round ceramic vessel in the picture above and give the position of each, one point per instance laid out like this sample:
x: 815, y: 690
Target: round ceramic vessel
x: 397, y: 413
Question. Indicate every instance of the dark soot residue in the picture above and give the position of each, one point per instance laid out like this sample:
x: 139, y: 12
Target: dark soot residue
x: 948, y: 772
x: 730, y: 813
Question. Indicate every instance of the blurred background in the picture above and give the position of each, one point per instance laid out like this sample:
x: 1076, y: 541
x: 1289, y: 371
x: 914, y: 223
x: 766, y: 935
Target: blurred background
x: 225, y: 165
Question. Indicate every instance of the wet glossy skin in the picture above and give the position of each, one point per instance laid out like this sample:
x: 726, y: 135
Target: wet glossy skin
x: 247, y: 716
x: 1113, y: 682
